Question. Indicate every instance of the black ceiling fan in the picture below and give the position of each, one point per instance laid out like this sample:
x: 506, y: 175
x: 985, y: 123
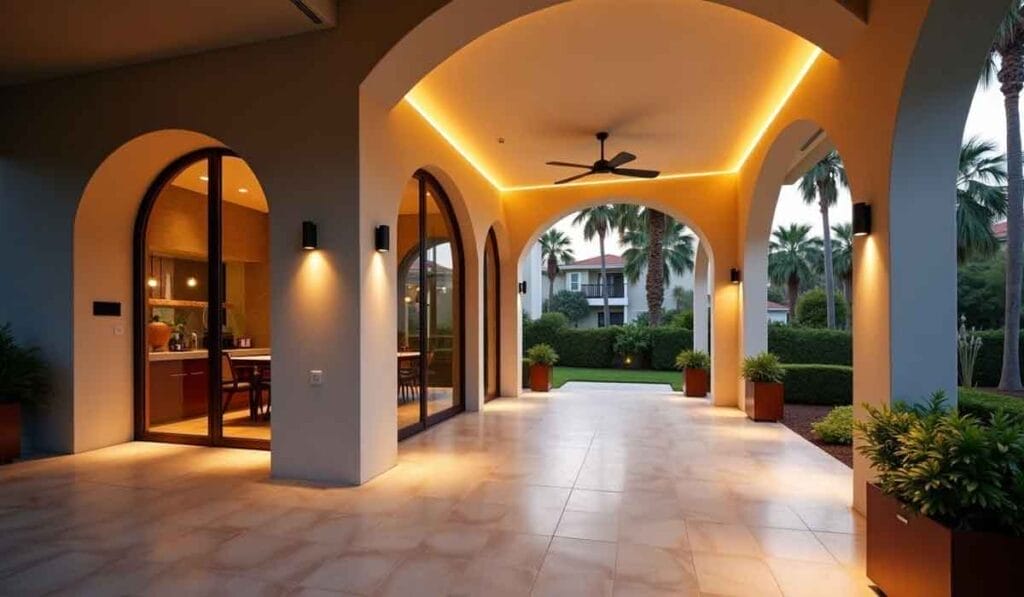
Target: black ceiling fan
x: 603, y: 166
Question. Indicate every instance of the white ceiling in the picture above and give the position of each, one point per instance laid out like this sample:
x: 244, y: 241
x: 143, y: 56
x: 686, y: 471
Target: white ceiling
x: 240, y: 184
x: 686, y: 85
x: 49, y: 38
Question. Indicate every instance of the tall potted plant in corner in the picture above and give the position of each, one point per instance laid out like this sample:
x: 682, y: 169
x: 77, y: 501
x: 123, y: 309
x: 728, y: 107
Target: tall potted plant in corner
x: 696, y: 365
x: 946, y: 512
x: 764, y: 391
x: 542, y: 357
x: 23, y: 382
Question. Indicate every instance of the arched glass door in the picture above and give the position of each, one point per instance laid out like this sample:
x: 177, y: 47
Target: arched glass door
x: 492, y: 318
x: 430, y: 308
x: 202, y: 331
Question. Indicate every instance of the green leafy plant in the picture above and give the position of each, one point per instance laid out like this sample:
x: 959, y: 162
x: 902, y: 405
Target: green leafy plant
x: 811, y: 309
x: 542, y: 354
x: 763, y: 367
x: 958, y: 470
x: 633, y: 340
x: 693, y: 359
x: 24, y: 375
x: 573, y: 305
x: 836, y: 427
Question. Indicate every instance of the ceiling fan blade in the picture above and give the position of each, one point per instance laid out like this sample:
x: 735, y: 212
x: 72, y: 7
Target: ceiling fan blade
x: 569, y: 164
x: 572, y: 178
x: 623, y: 157
x: 636, y: 173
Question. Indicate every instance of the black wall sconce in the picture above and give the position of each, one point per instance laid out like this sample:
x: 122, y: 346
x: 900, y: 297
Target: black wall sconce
x: 522, y: 287
x: 382, y: 238
x: 861, y: 219
x: 734, y: 275
x: 309, y: 236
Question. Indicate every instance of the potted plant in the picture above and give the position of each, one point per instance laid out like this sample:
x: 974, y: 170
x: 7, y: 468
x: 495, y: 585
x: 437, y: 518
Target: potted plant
x: 764, y: 392
x: 946, y: 513
x: 695, y: 365
x: 631, y: 342
x: 541, y: 358
x: 23, y: 382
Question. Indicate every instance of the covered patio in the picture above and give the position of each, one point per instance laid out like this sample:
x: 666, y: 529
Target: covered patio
x: 593, y: 489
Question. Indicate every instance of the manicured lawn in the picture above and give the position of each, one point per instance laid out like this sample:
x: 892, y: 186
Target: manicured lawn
x: 564, y: 374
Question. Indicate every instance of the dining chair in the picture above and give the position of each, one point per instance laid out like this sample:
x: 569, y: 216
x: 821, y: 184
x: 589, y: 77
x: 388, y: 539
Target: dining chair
x: 231, y: 383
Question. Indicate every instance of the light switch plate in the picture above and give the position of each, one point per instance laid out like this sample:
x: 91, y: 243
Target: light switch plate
x: 316, y: 377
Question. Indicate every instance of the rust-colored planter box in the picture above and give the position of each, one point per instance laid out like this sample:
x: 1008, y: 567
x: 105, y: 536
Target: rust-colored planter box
x: 695, y: 382
x: 764, y: 401
x: 909, y: 555
x: 10, y: 431
x: 540, y: 378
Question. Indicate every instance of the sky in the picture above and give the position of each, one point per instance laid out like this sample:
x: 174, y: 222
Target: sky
x: 986, y: 120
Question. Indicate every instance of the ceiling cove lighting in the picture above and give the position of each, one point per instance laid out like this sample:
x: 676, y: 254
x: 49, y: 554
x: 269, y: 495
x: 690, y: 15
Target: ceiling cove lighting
x: 861, y: 219
x: 734, y: 276
x: 382, y: 238
x: 460, y: 147
x: 310, y: 241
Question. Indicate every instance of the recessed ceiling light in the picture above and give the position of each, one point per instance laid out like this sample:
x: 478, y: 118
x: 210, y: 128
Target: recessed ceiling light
x: 243, y: 190
x: 192, y: 282
x: 204, y: 178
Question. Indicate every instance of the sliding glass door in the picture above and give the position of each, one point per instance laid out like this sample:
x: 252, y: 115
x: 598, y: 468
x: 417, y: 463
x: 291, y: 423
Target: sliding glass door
x: 430, y: 306
x: 202, y: 337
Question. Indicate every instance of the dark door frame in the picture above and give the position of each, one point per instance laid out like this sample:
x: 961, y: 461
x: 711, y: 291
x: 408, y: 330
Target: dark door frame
x: 215, y: 295
x: 491, y: 244
x: 424, y: 180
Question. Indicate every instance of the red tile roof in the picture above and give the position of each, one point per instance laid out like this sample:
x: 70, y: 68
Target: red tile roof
x: 777, y: 306
x: 609, y: 260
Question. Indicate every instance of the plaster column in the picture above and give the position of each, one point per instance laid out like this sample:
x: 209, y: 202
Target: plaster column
x: 725, y: 332
x: 700, y: 300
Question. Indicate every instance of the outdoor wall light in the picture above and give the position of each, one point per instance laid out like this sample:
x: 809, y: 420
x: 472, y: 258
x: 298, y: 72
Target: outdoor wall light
x: 382, y: 238
x: 309, y: 236
x: 734, y: 275
x: 861, y: 219
x: 522, y: 287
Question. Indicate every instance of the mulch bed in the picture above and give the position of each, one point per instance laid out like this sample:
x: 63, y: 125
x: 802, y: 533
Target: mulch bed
x: 799, y: 417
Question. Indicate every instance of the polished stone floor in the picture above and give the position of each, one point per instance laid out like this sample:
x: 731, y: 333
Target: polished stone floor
x: 590, y: 490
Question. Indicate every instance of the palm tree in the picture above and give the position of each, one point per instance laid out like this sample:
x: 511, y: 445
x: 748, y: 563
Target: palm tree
x: 792, y: 254
x: 980, y: 198
x: 599, y: 221
x: 555, y: 247
x: 1009, y: 46
x: 653, y: 224
x: 842, y: 263
x: 677, y: 252
x: 821, y: 184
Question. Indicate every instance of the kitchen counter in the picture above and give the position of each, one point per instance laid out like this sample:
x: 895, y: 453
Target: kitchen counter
x: 186, y: 355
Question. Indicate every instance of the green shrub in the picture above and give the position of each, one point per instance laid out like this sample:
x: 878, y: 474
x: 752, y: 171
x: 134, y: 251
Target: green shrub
x: 836, y: 427
x: 989, y: 363
x: 24, y: 375
x: 809, y: 345
x: 818, y: 384
x: 763, y: 367
x: 985, y: 404
x: 542, y: 354
x: 666, y: 343
x: 592, y: 348
x: 573, y: 305
x: 633, y: 341
x: 693, y: 359
x: 947, y: 465
x: 682, y: 319
x: 544, y: 329
x: 811, y: 309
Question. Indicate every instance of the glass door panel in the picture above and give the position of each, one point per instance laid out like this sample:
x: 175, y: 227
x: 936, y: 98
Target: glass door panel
x: 443, y: 311
x: 409, y: 316
x: 245, y: 385
x: 491, y: 318
x: 175, y: 294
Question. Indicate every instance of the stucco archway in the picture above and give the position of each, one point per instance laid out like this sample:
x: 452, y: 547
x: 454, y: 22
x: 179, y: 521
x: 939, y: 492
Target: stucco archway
x: 104, y: 224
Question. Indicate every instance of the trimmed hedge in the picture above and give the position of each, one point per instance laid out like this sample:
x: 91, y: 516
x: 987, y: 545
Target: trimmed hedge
x: 818, y: 384
x: 983, y: 404
x: 810, y: 345
x: 990, y: 358
x: 666, y: 344
x: 593, y: 348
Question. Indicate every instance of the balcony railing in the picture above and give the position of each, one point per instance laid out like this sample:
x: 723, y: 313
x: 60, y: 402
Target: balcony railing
x: 612, y: 290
